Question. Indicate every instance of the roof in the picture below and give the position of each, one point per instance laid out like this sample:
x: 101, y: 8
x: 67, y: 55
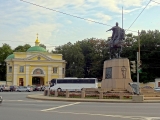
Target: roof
x: 36, y: 49
x: 10, y: 57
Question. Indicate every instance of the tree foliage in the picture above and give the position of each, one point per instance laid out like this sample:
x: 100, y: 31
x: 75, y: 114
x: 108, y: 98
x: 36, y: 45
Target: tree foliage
x: 85, y: 57
x: 5, y: 51
x: 42, y: 45
x: 149, y: 52
x: 21, y: 48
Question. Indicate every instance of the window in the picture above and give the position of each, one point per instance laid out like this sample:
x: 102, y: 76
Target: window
x: 54, y: 69
x: 38, y: 71
x: 62, y: 70
x: 38, y: 58
x: 76, y: 81
x: 10, y: 69
x: 60, y: 81
x: 21, y: 69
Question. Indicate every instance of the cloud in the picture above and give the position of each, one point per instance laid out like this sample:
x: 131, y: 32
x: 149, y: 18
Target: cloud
x: 130, y: 3
x: 89, y: 20
x: 69, y: 22
x: 104, y: 17
x: 28, y: 34
x: 116, y: 5
x: 52, y: 4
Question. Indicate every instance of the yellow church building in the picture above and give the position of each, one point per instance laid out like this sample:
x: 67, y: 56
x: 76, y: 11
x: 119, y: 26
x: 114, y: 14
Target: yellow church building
x: 36, y: 66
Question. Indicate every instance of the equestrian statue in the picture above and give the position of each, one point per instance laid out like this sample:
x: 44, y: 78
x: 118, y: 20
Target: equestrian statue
x: 115, y: 44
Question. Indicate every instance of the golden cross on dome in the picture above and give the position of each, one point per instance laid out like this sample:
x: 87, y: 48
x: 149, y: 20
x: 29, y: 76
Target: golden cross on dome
x: 37, y: 35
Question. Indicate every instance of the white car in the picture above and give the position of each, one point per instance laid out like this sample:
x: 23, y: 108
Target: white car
x: 4, y: 88
x: 157, y: 89
x: 24, y: 89
x: 1, y: 99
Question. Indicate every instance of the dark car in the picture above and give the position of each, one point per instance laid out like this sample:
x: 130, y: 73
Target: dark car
x: 1, y: 99
x: 13, y: 88
x: 35, y: 88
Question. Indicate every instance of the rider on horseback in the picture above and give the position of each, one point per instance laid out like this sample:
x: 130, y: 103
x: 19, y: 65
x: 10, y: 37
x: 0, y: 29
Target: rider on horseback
x: 116, y: 35
x: 116, y: 39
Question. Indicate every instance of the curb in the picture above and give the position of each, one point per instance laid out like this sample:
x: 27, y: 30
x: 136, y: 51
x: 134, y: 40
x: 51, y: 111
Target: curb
x: 41, y: 97
x: 76, y: 99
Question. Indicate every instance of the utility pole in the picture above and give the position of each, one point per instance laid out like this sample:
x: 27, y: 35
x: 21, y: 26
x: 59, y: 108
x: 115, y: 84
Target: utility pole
x: 138, y: 63
x: 122, y: 17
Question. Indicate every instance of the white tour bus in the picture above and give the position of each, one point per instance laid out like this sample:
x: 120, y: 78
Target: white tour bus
x: 73, y: 83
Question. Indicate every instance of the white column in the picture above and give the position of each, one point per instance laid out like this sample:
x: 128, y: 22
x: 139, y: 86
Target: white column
x: 49, y: 72
x: 27, y: 74
x: 15, y: 72
x: 60, y: 72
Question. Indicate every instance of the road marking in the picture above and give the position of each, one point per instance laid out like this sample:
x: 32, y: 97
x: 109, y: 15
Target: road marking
x: 60, y: 106
x: 152, y: 118
x: 116, y: 116
x: 39, y: 101
x: 13, y: 100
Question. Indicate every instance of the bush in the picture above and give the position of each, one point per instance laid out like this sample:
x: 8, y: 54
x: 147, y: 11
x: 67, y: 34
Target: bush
x: 74, y: 95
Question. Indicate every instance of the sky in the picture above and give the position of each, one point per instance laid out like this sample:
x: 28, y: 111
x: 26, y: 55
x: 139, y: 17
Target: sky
x: 58, y: 22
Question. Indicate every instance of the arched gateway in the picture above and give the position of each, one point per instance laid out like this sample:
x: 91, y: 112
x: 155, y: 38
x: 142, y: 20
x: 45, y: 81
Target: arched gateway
x: 38, y: 77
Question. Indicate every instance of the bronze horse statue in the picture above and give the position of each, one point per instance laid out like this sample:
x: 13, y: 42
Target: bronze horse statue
x: 115, y: 44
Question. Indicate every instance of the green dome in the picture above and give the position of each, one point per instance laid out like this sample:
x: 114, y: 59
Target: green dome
x: 36, y: 49
x: 10, y: 57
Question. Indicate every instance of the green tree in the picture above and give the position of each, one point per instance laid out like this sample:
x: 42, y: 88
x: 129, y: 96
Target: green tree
x: 95, y: 52
x: 5, y: 51
x: 42, y: 45
x: 21, y: 48
x: 74, y: 57
x: 150, y: 54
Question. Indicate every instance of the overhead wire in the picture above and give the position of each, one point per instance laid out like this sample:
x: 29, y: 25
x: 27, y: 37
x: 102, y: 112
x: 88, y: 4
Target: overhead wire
x: 65, y: 13
x: 138, y: 15
x: 70, y: 14
x: 155, y: 2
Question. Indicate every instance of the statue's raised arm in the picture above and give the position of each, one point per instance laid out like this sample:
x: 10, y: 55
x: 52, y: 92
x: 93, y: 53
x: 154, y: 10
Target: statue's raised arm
x: 109, y: 29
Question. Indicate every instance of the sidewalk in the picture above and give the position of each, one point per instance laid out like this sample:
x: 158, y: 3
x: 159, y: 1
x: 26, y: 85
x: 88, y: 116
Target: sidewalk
x: 42, y: 97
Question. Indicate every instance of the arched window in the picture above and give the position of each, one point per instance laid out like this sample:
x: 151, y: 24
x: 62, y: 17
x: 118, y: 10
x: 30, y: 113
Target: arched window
x: 38, y: 71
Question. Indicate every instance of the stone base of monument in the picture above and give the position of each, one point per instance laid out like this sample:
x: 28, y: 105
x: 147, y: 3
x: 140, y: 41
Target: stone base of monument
x: 116, y: 75
x: 138, y: 98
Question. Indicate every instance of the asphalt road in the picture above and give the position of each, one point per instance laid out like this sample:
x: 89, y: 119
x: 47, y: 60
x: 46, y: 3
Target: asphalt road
x: 17, y: 107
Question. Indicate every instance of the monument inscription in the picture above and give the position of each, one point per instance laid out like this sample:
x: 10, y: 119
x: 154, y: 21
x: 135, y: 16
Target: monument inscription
x: 109, y: 73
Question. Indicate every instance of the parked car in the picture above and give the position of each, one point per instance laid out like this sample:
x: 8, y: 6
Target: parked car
x: 44, y: 87
x: 30, y: 89
x: 39, y: 88
x: 24, y: 89
x: 4, y: 88
x: 157, y: 89
x: 35, y: 88
x: 1, y: 99
x: 1, y: 88
x: 13, y: 88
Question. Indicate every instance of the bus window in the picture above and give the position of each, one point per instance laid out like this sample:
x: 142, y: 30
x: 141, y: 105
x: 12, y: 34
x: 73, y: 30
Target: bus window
x: 60, y: 81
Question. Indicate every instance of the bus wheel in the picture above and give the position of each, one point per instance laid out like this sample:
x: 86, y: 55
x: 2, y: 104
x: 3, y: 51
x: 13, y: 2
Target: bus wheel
x: 59, y: 89
x: 82, y: 89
